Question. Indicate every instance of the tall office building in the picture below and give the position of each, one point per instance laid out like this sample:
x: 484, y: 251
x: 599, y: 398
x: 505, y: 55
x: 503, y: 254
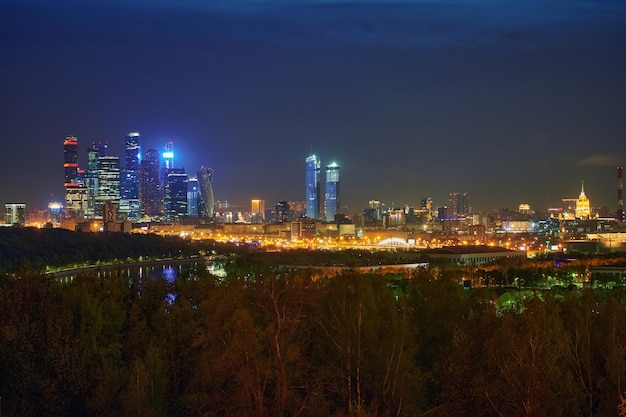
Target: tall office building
x: 108, y: 183
x: 193, y: 197
x: 150, y: 194
x: 257, y: 211
x: 313, y: 196
x: 76, y: 194
x: 458, y: 204
x: 282, y: 212
x: 332, y: 192
x: 96, y: 150
x: 15, y: 214
x: 207, y: 202
x: 167, y: 162
x: 130, y: 206
x: 427, y: 206
x: 175, y: 200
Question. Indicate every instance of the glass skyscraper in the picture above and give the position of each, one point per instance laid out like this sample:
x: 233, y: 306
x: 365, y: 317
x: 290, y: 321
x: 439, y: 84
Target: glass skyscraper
x: 332, y: 191
x: 130, y: 206
x: 108, y: 183
x: 97, y: 150
x: 75, y: 190
x: 313, y: 198
x: 175, y: 200
x: 150, y: 193
x: 205, y: 183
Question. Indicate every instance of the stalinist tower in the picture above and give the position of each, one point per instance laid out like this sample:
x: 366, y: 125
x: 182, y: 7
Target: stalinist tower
x: 583, y: 210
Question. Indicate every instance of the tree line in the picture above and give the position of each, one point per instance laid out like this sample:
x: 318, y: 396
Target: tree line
x: 269, y: 343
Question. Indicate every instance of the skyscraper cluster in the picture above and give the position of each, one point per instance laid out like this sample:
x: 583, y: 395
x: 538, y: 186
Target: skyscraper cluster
x: 316, y: 208
x: 143, y: 188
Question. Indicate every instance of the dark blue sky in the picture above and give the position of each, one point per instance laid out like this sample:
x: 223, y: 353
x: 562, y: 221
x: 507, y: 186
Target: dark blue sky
x: 510, y: 101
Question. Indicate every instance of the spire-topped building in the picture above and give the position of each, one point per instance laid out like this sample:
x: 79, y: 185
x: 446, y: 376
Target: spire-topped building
x: 583, y: 207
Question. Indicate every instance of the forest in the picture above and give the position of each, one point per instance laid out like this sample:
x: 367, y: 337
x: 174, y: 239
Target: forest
x: 266, y: 343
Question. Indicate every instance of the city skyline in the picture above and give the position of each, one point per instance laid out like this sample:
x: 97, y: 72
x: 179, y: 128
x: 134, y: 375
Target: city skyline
x: 509, y: 104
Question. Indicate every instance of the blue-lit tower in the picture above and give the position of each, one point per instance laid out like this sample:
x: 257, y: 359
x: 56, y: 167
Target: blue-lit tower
x: 332, y: 191
x: 313, y: 197
x: 167, y: 161
x: 193, y: 197
x: 130, y: 206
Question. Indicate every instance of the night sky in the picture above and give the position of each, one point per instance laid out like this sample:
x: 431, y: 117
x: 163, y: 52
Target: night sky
x: 510, y: 101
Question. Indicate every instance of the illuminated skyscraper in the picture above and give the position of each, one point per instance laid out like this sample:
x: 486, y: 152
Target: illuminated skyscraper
x: 97, y: 150
x: 193, y: 197
x: 205, y: 183
x: 257, y: 211
x: 130, y: 206
x: 76, y: 194
x: 332, y: 191
x: 313, y: 196
x: 15, y: 214
x: 167, y: 162
x: 150, y: 193
x: 282, y: 212
x: 458, y: 205
x: 108, y: 183
x: 583, y: 206
x: 175, y: 199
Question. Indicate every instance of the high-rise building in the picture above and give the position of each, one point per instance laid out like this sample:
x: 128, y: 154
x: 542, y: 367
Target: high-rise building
x: 130, y: 206
x: 193, y: 197
x: 458, y: 205
x: 15, y: 214
x: 427, y: 206
x: 175, y: 200
x: 313, y: 190
x: 150, y: 194
x: 167, y: 162
x: 108, y: 183
x: 76, y: 194
x: 332, y: 192
x: 205, y: 183
x: 257, y: 211
x: 96, y: 150
x: 282, y: 212
x: 583, y: 206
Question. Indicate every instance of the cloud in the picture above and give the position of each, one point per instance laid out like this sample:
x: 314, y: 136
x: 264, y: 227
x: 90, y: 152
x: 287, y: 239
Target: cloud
x: 600, y: 160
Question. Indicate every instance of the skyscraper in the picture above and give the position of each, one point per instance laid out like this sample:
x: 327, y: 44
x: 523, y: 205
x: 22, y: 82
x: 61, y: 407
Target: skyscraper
x: 583, y: 206
x: 193, y: 197
x: 150, y: 194
x: 108, y: 183
x: 313, y: 197
x: 96, y: 150
x: 458, y: 205
x: 332, y: 191
x: 205, y: 183
x: 282, y: 211
x: 75, y: 191
x: 130, y: 206
x: 167, y: 162
x: 175, y: 200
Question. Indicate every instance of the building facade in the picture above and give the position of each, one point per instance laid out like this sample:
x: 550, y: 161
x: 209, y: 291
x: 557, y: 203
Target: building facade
x: 332, y: 200
x: 175, y: 200
x: 130, y: 206
x: 149, y: 185
x: 207, y: 200
x: 313, y: 191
